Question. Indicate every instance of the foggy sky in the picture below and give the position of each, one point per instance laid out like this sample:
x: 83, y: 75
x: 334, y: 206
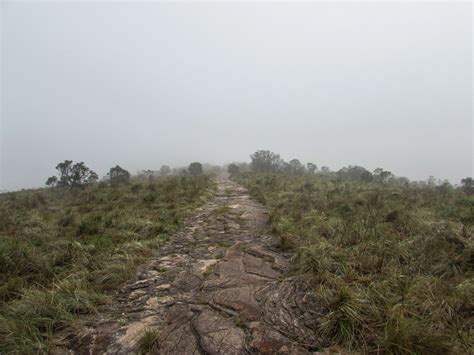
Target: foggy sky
x: 144, y: 84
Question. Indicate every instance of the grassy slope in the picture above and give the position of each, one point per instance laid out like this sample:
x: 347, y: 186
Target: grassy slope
x: 61, y: 250
x: 393, y: 264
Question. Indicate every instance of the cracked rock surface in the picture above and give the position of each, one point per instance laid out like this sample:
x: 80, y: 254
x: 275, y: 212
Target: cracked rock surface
x: 218, y: 287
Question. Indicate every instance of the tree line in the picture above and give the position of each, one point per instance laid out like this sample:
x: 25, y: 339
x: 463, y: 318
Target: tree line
x: 265, y: 161
x: 72, y: 174
x: 269, y: 162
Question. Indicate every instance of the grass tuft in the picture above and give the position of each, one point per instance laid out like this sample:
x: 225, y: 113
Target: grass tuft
x: 147, y: 341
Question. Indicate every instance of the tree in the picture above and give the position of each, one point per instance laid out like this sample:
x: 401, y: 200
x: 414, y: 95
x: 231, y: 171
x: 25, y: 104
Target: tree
x: 195, y: 169
x: 325, y: 169
x: 431, y: 181
x: 444, y: 187
x: 118, y: 175
x: 382, y: 175
x: 265, y: 161
x: 467, y: 185
x: 165, y: 170
x: 295, y: 167
x: 385, y: 175
x: 52, y: 181
x: 148, y: 174
x: 233, y: 169
x: 71, y: 175
x: 311, y: 168
x: 354, y: 173
x: 367, y: 176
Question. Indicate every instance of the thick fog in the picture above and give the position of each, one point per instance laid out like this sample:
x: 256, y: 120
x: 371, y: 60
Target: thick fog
x: 143, y: 84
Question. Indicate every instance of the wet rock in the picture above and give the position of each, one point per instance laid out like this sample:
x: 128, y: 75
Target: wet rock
x: 180, y: 341
x: 216, y: 287
x: 241, y: 300
x: 257, y: 266
x: 218, y: 334
x: 187, y: 281
x: 265, y: 340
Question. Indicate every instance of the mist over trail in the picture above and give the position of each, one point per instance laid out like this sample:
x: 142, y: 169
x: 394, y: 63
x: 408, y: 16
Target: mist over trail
x: 141, y: 85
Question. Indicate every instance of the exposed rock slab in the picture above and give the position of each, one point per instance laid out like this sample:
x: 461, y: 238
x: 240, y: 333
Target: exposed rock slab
x: 218, y: 287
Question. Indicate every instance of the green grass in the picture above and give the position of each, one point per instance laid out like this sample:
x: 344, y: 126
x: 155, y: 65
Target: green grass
x: 147, y: 341
x: 393, y: 263
x: 61, y: 251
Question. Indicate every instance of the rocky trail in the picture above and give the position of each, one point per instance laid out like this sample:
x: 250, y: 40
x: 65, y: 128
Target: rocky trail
x: 217, y: 287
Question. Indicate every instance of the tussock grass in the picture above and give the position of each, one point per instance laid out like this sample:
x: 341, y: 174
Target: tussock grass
x: 61, y: 251
x: 147, y: 341
x: 392, y: 263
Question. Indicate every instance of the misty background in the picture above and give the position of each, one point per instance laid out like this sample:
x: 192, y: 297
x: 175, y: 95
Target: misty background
x: 144, y: 84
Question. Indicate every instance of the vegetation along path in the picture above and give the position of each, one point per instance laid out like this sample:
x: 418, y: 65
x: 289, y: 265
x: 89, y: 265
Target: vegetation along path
x: 217, y: 288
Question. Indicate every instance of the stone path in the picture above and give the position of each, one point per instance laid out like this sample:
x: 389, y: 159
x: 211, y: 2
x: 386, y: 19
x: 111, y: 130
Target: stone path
x: 217, y: 288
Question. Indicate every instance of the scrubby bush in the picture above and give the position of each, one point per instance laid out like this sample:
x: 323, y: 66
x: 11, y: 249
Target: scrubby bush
x: 165, y: 170
x: 467, y: 185
x: 294, y: 167
x: 195, y: 169
x: 382, y: 175
x: 233, y: 169
x: 72, y: 175
x: 311, y: 167
x: 265, y: 161
x: 354, y: 173
x: 118, y: 174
